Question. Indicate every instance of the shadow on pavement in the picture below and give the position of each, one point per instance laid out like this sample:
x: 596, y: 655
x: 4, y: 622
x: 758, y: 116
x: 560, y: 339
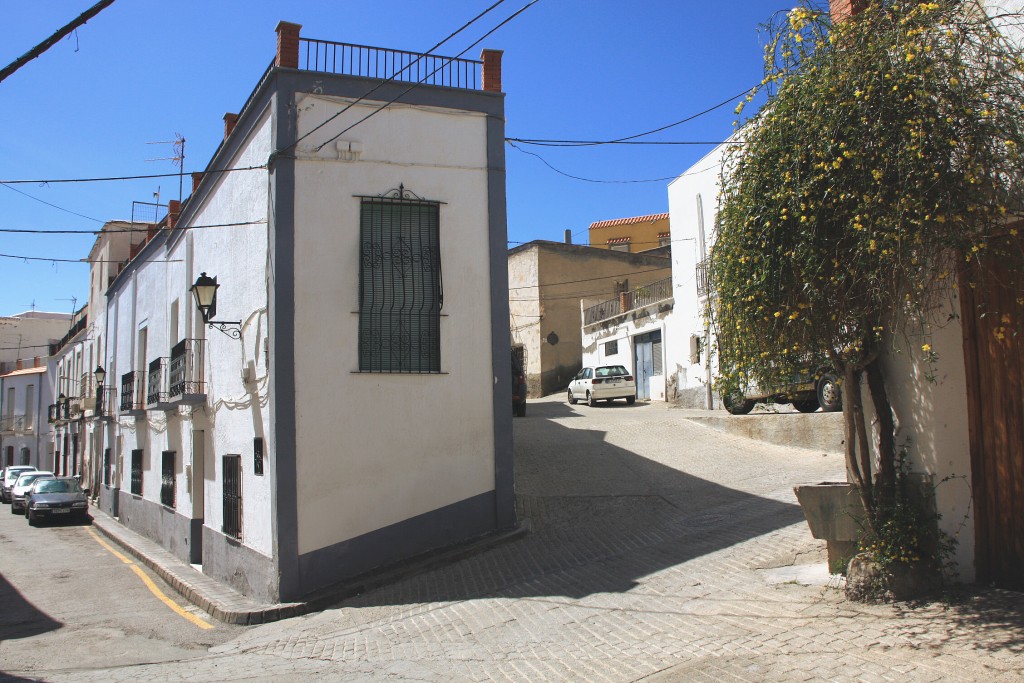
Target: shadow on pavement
x: 994, y: 618
x: 602, y: 517
x: 19, y: 618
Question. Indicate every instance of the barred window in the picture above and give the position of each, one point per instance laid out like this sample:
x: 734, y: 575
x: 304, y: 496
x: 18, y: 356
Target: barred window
x: 232, y: 496
x: 400, y: 288
x: 137, y: 472
x: 167, y: 478
x: 611, y: 348
x: 106, y: 466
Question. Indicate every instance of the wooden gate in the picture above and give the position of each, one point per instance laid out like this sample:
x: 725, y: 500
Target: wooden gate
x: 993, y: 320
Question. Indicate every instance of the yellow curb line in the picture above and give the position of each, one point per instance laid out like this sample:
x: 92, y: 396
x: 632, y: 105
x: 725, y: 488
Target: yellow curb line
x: 150, y: 585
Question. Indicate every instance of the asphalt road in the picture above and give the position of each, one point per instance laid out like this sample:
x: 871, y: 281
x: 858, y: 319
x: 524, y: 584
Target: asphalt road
x: 68, y: 604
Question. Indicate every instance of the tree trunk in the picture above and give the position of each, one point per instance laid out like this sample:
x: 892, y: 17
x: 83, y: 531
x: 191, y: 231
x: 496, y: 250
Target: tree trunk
x: 886, y: 480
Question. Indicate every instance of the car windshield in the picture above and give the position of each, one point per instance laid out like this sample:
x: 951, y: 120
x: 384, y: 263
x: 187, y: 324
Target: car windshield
x: 610, y: 371
x: 27, y: 479
x: 55, y: 486
x: 12, y: 475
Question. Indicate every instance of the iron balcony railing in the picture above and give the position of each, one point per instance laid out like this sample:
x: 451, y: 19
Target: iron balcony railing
x: 132, y: 398
x: 14, y: 423
x: 379, y: 62
x: 186, y: 376
x: 53, y: 413
x: 107, y: 404
x: 74, y: 406
x: 703, y: 281
x: 156, y: 382
x: 628, y: 301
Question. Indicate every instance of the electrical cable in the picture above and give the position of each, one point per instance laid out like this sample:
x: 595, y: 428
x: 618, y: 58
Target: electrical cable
x: 588, y: 180
x: 420, y: 82
x: 127, y: 177
x: 393, y: 77
x: 591, y: 279
x: 109, y: 231
x: 51, y: 259
x: 59, y: 208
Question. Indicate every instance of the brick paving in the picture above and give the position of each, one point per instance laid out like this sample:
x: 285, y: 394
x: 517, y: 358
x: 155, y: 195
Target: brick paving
x: 655, y: 554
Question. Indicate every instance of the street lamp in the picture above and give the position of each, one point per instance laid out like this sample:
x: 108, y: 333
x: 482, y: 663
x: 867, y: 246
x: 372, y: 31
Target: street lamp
x: 100, y: 374
x: 204, y: 292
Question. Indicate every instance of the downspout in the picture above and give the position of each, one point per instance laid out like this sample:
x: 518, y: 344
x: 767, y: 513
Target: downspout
x: 709, y: 399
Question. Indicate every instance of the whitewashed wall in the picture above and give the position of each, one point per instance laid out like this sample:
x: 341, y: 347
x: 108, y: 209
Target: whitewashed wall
x: 389, y: 447
x: 595, y: 351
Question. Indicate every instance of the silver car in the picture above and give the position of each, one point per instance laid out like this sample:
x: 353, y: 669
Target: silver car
x: 602, y: 383
x: 20, y: 489
x: 11, y: 473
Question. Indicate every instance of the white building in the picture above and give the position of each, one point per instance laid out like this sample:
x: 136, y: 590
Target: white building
x: 24, y: 430
x: 353, y: 410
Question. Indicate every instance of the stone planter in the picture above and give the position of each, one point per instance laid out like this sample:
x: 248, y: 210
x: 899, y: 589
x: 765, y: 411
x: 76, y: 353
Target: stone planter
x: 868, y: 581
x: 835, y: 514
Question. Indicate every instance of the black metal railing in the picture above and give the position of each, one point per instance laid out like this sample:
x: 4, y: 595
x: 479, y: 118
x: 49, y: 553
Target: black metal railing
x: 186, y: 374
x: 232, y: 468
x: 53, y: 412
x: 379, y: 62
x: 167, y: 478
x: 156, y: 382
x: 703, y: 281
x: 131, y: 391
x: 106, y: 403
x: 76, y: 327
x: 628, y: 301
x: 136, y: 483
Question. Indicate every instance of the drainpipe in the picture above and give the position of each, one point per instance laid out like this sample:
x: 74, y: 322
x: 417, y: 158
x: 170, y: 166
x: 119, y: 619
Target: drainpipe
x: 710, y: 404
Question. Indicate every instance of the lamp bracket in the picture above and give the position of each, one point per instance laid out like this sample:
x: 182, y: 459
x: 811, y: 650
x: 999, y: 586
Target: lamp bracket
x: 232, y: 328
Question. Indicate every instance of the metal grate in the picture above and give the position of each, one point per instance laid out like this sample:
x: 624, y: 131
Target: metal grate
x: 400, y: 286
x: 186, y: 368
x: 167, y: 478
x: 106, y: 467
x: 257, y: 456
x: 131, y: 391
x: 232, y: 496
x: 156, y: 382
x: 137, y: 472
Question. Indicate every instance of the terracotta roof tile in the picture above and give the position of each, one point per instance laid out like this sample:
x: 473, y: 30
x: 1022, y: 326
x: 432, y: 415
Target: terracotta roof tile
x: 629, y: 221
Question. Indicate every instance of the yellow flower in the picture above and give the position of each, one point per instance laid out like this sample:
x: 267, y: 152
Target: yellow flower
x: 926, y: 347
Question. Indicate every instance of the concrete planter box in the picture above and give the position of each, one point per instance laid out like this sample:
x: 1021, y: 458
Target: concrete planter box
x: 835, y: 514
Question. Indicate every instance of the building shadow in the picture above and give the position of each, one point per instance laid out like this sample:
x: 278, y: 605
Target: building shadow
x: 19, y: 618
x: 601, y: 518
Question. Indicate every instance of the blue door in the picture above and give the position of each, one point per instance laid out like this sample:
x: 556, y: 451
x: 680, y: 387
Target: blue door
x: 648, y: 362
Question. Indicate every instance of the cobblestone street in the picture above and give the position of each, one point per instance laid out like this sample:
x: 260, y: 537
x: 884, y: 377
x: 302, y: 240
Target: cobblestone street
x: 660, y: 550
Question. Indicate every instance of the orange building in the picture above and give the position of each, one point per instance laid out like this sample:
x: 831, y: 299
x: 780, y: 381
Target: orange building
x: 640, y: 233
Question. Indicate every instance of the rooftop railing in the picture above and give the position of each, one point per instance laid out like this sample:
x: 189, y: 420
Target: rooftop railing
x: 378, y: 62
x: 628, y: 301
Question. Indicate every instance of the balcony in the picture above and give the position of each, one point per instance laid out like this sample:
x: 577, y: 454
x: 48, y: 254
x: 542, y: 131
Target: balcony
x: 104, y: 404
x: 703, y: 282
x: 629, y: 301
x: 156, y: 385
x: 383, y: 63
x: 15, y: 424
x: 186, y: 374
x: 54, y: 413
x: 133, y: 400
x: 74, y: 407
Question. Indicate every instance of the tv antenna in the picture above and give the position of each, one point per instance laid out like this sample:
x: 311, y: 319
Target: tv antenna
x: 178, y: 150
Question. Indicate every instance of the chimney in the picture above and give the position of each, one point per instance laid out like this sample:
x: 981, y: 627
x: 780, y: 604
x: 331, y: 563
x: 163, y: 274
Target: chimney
x: 623, y: 302
x: 229, y: 124
x: 287, y: 45
x: 491, y: 71
x: 197, y: 177
x: 173, y: 211
x: 39, y: 361
x: 568, y: 236
x: 18, y: 364
x: 844, y: 9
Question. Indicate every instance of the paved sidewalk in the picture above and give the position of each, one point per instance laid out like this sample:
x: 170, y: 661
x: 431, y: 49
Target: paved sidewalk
x: 660, y: 550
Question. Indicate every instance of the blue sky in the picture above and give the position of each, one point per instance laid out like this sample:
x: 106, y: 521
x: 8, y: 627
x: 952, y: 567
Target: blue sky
x: 143, y: 70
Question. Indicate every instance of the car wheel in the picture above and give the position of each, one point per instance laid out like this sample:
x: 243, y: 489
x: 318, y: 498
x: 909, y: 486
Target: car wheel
x: 830, y: 393
x: 591, y: 401
x: 630, y: 400
x: 14, y: 510
x: 572, y: 399
x: 737, y: 405
x: 30, y: 517
x: 807, y: 405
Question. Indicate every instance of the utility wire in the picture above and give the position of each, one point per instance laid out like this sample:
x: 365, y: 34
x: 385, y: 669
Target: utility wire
x: 109, y: 231
x: 420, y: 82
x: 51, y: 259
x: 587, y: 180
x: 126, y: 177
x: 53, y: 39
x: 59, y: 208
x: 392, y: 77
x: 591, y: 279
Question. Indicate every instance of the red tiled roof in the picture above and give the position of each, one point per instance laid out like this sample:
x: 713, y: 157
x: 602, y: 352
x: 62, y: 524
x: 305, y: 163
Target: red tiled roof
x: 629, y: 221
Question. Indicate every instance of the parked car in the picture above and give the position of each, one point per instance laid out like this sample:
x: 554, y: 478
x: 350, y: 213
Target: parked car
x: 602, y: 383
x: 808, y: 391
x: 11, y: 473
x: 518, y: 389
x: 56, y: 498
x: 21, y: 487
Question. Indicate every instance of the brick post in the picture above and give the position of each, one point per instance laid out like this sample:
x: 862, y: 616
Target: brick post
x: 197, y: 177
x: 491, y: 72
x: 844, y: 9
x: 287, y: 45
x: 173, y: 211
x: 229, y: 123
x: 623, y: 302
x: 18, y: 364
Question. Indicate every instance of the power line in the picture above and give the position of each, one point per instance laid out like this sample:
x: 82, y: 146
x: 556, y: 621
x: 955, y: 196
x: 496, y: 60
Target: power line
x: 108, y: 231
x: 420, y: 82
x: 587, y: 143
x: 392, y: 77
x: 587, y: 180
x: 126, y: 177
x: 51, y: 259
x: 59, y: 208
x: 591, y: 279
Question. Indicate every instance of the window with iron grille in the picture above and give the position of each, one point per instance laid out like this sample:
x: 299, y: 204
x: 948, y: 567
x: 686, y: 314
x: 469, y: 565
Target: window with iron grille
x: 400, y: 288
x: 137, y: 472
x: 611, y: 348
x: 232, y: 496
x: 106, y: 467
x: 167, y: 478
x: 257, y: 456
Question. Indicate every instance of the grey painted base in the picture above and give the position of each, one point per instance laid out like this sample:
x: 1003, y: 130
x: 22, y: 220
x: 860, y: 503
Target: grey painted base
x: 157, y: 523
x: 242, y: 568
x: 109, y: 499
x: 443, y: 527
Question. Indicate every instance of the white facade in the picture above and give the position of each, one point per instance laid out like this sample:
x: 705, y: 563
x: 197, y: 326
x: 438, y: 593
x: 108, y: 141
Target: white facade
x: 24, y: 430
x: 264, y: 449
